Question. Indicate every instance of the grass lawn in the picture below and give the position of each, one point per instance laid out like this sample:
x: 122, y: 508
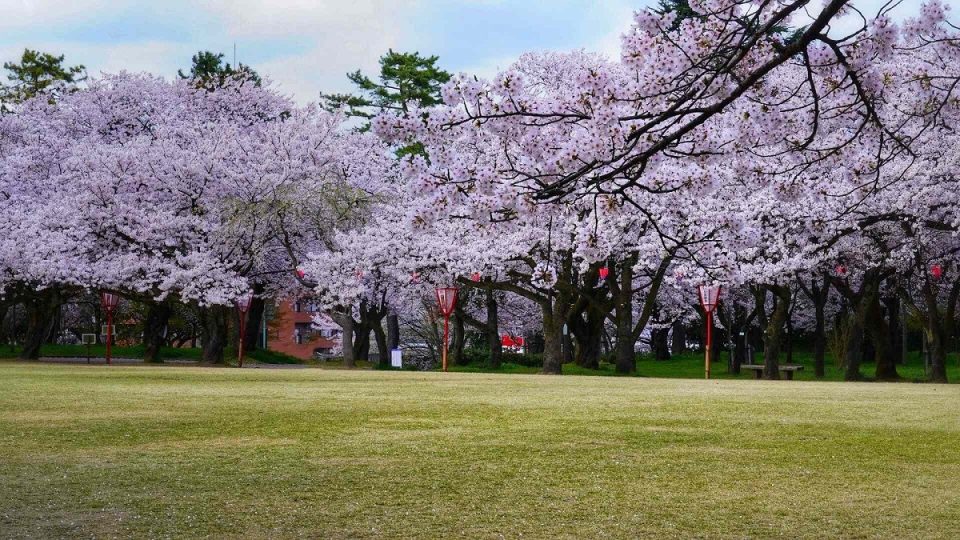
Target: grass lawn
x: 97, y: 451
x: 690, y: 366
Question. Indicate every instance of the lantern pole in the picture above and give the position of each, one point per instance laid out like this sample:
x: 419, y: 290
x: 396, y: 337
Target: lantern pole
x: 709, y: 344
x: 709, y: 297
x: 447, y: 301
x: 109, y: 333
x: 243, y: 307
x: 446, y: 333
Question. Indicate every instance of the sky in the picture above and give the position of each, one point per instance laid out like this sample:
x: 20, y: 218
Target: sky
x: 307, y: 46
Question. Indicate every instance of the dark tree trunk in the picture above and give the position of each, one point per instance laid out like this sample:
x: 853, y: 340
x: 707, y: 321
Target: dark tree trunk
x: 678, y: 344
x: 458, y: 339
x: 344, y: 318
x: 660, y: 343
x: 818, y: 292
x: 493, y: 331
x: 361, y: 342
x: 851, y: 364
x: 774, y: 330
x: 154, y: 331
x: 623, y: 313
x: 393, y: 331
x: 589, y: 336
x: 41, y: 310
x: 214, y: 334
x: 552, y: 339
x: 4, y: 306
x: 254, y: 321
x: 886, y: 368
x: 383, y: 358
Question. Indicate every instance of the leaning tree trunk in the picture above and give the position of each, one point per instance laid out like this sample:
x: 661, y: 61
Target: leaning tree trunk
x: 347, y: 325
x: 214, y: 334
x: 772, y: 334
x: 154, y: 330
x: 41, y: 313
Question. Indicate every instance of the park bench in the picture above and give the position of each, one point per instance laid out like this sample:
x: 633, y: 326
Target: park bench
x: 786, y: 369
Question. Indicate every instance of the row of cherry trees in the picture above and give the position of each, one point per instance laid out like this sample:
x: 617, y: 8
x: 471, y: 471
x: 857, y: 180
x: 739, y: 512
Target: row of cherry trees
x: 804, y: 170
x: 173, y: 192
x: 810, y: 172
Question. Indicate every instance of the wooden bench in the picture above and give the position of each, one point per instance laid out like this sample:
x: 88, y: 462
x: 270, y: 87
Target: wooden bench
x: 786, y: 369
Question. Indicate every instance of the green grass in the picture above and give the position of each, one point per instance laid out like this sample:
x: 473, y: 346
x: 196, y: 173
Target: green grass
x: 140, y: 451
x: 690, y: 366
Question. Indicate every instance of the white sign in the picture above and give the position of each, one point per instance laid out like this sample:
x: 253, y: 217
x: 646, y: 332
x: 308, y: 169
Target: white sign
x: 396, y: 358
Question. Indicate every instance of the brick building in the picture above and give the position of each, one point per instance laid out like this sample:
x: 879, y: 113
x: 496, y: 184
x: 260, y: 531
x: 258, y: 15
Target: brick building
x: 291, y: 330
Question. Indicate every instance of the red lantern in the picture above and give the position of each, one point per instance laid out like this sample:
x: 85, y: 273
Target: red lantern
x: 301, y: 274
x: 841, y: 270
x: 109, y: 301
x: 475, y: 277
x: 709, y: 298
x: 604, y: 272
x: 936, y: 271
x: 447, y: 300
x: 243, y: 307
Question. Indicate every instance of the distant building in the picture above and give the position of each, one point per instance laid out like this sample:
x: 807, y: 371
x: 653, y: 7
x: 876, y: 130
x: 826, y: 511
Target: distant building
x: 291, y: 330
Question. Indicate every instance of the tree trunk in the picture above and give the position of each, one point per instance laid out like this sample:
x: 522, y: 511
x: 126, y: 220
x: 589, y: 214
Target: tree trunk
x: 552, y: 340
x: 851, y: 364
x: 3, y: 316
x: 589, y: 336
x: 678, y: 343
x: 154, y: 331
x: 361, y: 342
x: 660, y: 343
x: 886, y: 368
x: 254, y: 319
x: 40, y: 313
x: 214, y: 334
x: 383, y: 358
x: 393, y: 331
x: 493, y: 331
x: 938, y: 353
x: 772, y: 334
x: 344, y: 318
x: 623, y: 313
x: 457, y: 340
